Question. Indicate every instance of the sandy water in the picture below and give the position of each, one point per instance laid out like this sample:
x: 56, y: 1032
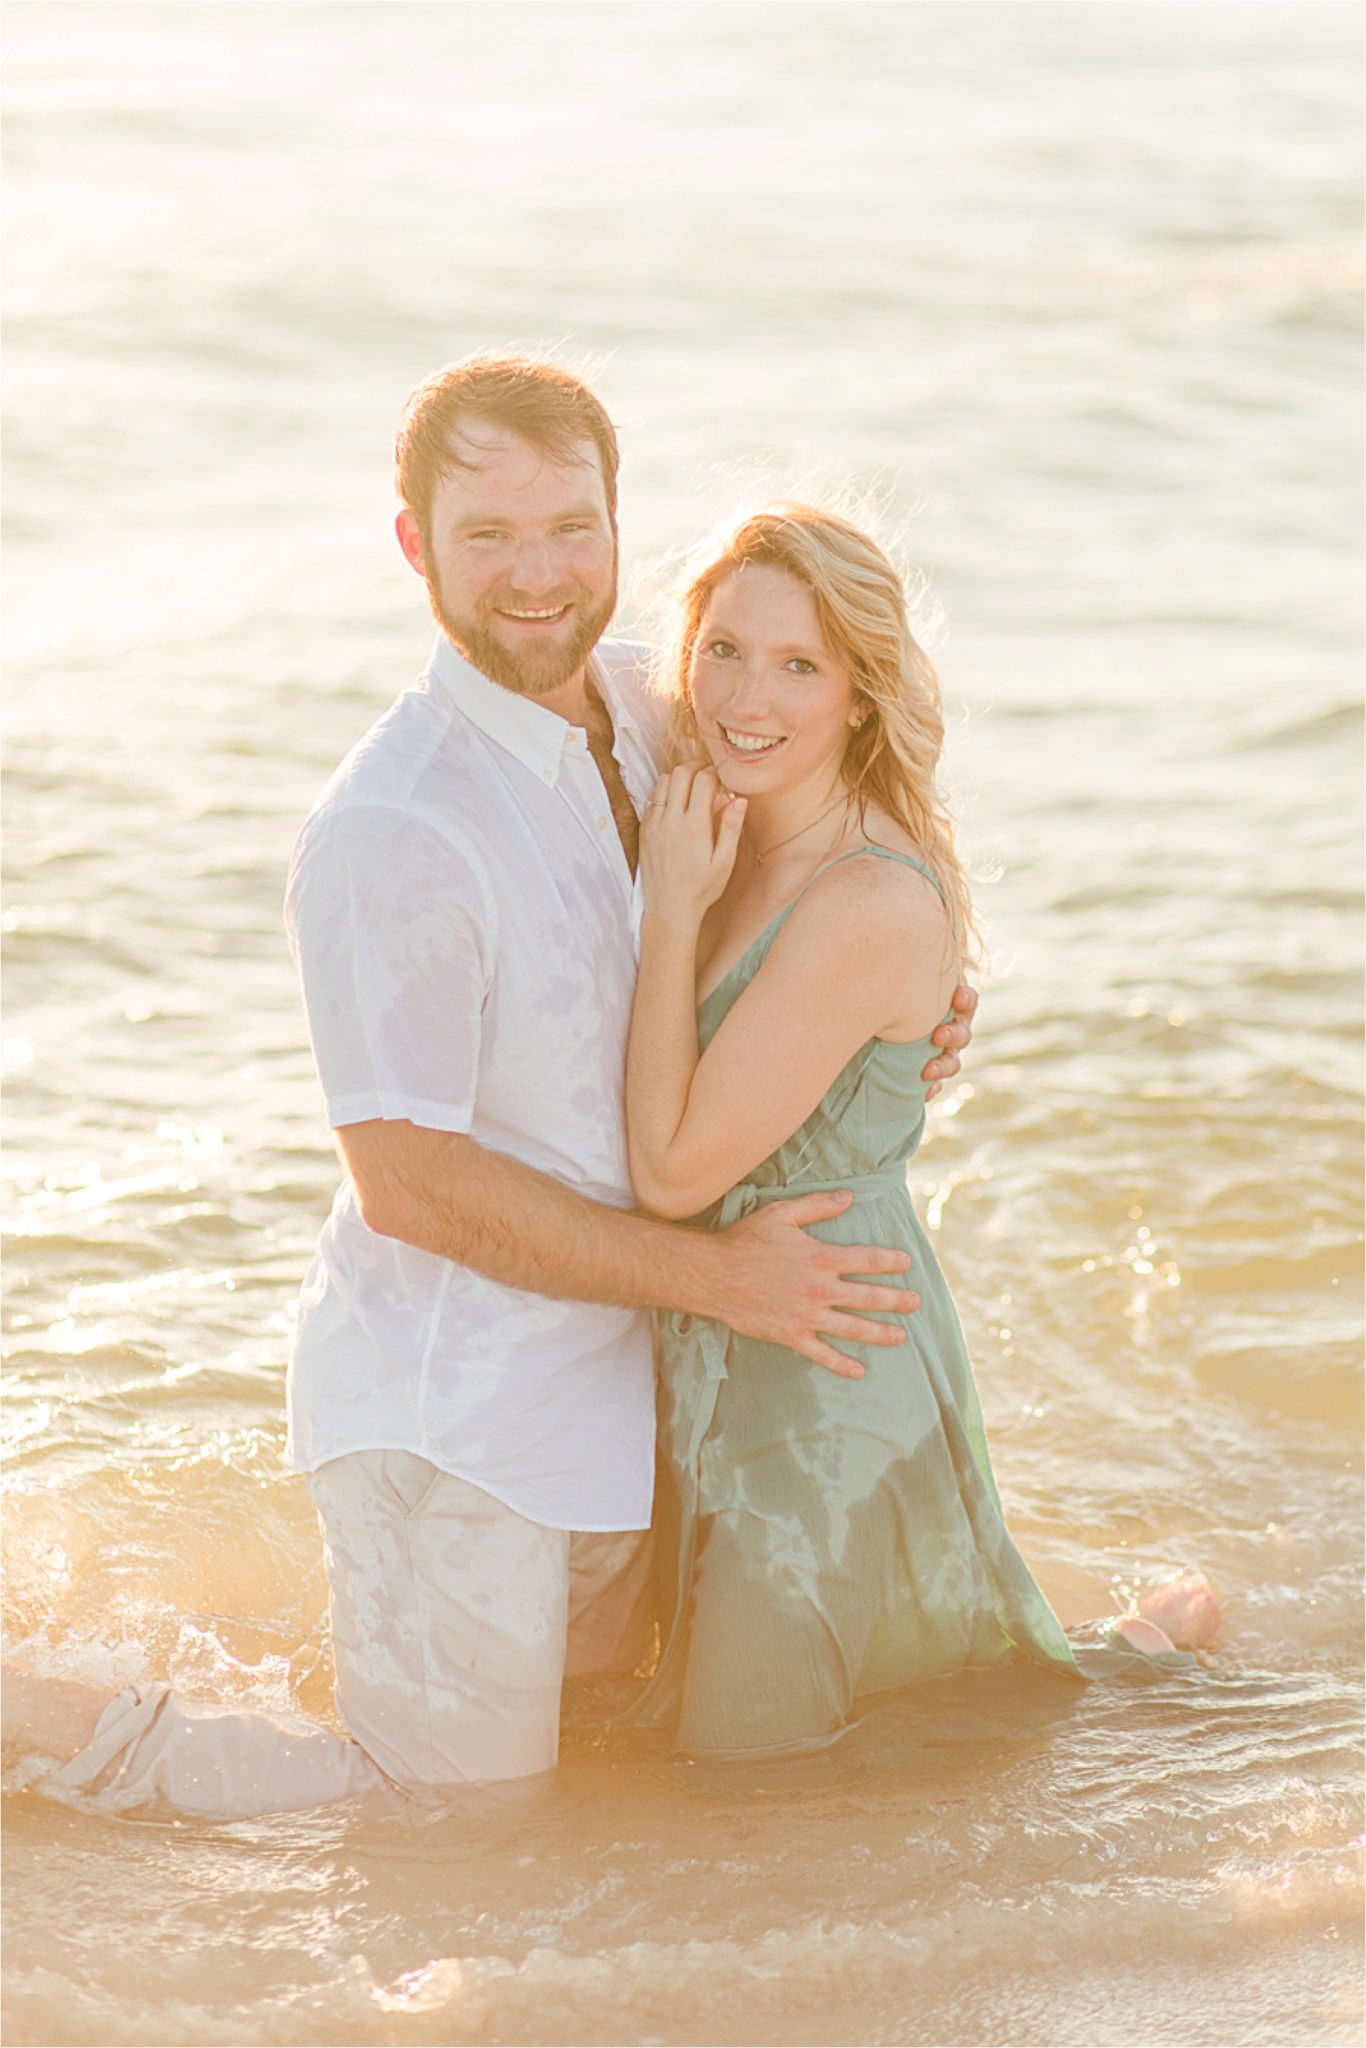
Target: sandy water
x: 1078, y: 290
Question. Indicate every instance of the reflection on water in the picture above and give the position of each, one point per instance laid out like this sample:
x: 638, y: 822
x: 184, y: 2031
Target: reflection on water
x: 1080, y: 287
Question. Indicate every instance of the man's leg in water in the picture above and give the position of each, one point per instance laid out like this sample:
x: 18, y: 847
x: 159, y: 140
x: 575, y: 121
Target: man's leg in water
x: 612, y: 1603
x: 449, y: 1618
x: 53, y: 1717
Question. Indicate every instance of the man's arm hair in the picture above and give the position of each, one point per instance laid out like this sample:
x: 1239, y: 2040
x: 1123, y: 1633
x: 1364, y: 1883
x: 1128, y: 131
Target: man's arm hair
x: 448, y: 1194
x: 766, y: 1276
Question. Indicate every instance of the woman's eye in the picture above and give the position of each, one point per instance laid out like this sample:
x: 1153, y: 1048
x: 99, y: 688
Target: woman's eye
x: 722, y: 649
x: 802, y: 666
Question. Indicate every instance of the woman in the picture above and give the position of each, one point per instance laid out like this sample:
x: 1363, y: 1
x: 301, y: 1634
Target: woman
x: 806, y: 919
x: 825, y: 1539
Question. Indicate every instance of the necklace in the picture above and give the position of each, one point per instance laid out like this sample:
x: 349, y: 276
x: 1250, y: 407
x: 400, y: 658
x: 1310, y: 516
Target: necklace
x: 760, y: 858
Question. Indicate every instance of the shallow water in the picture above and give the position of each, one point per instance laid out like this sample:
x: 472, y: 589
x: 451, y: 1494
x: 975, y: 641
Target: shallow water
x: 1078, y: 289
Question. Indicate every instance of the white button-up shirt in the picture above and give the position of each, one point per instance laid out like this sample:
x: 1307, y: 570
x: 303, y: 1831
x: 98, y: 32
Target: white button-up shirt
x: 464, y: 922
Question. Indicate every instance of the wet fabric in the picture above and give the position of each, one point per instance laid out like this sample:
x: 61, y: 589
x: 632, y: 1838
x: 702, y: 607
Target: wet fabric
x: 454, y: 1622
x: 822, y: 1538
x: 463, y: 918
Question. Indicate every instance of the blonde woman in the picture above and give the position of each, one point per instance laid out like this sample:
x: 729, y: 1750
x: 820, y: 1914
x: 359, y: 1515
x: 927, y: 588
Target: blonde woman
x: 826, y: 1533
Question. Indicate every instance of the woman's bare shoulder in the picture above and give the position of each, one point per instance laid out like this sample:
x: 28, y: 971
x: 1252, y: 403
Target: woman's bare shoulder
x: 865, y: 904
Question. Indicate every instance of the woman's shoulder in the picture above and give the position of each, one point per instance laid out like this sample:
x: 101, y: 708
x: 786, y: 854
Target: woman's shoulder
x: 872, y: 893
x: 871, y: 935
x: 881, y: 871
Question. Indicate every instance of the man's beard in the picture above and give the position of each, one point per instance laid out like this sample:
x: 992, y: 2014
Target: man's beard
x: 535, y: 671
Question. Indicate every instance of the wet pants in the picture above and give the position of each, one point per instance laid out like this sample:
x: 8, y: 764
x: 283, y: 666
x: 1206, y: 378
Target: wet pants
x: 454, y: 1622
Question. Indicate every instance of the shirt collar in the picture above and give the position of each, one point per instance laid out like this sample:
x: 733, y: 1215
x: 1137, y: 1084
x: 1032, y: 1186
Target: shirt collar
x: 622, y: 707
x: 531, y: 734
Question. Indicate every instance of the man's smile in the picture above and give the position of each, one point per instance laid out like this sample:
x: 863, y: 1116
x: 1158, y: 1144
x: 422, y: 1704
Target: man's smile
x: 526, y: 615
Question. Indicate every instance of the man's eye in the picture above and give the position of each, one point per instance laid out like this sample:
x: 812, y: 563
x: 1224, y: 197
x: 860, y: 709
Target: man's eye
x: 575, y: 526
x: 488, y: 533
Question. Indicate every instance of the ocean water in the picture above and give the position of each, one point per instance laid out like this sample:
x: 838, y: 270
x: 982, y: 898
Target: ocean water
x: 1074, y: 293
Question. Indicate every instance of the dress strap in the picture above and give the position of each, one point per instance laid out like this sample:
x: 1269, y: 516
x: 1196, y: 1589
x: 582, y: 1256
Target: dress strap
x: 908, y: 860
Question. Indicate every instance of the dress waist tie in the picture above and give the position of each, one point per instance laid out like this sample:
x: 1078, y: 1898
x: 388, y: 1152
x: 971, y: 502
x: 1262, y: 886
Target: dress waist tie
x: 713, y: 1339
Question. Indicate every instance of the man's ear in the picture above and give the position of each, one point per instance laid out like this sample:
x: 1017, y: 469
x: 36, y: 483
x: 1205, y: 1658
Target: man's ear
x: 410, y: 540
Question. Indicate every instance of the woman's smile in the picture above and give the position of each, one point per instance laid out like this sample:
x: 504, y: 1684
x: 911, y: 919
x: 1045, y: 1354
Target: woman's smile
x: 742, y: 742
x: 765, y: 684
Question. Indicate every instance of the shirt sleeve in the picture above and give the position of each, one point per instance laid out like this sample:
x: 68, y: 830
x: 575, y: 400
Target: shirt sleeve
x: 391, y: 925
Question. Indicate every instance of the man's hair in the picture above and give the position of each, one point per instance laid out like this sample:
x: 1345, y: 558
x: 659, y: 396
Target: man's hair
x: 529, y: 395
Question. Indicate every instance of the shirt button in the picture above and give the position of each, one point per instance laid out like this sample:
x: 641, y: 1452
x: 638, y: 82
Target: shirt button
x: 602, y: 824
x: 549, y: 774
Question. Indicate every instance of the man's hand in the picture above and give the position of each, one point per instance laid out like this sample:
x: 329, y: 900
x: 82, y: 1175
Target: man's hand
x: 788, y: 1288
x: 764, y: 1276
x: 954, y: 1036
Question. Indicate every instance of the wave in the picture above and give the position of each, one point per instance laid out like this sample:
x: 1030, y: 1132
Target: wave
x: 1336, y: 724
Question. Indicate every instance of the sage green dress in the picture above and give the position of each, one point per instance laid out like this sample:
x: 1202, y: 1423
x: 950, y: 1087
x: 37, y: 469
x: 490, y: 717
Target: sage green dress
x: 822, y: 1538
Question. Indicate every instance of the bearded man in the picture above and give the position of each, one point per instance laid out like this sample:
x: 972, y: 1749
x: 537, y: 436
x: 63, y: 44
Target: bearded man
x: 471, y: 1387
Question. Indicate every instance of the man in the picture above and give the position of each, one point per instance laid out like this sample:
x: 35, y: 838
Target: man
x: 471, y: 1385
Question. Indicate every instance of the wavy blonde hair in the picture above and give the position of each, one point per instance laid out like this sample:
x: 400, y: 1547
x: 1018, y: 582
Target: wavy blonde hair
x: 893, y: 757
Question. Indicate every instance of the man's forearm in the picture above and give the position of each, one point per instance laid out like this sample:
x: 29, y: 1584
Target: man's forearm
x: 764, y: 1275
x: 452, y: 1196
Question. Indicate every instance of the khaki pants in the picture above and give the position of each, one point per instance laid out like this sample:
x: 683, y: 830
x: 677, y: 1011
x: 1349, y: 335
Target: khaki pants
x: 454, y: 1623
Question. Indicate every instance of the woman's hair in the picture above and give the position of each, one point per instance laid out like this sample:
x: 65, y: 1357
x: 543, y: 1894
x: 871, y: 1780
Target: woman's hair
x: 892, y: 758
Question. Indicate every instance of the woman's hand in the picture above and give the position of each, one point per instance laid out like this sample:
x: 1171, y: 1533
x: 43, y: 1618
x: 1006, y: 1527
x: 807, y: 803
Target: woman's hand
x: 688, y: 840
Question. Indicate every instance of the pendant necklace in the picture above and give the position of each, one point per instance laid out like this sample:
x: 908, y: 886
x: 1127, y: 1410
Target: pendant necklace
x: 760, y: 858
